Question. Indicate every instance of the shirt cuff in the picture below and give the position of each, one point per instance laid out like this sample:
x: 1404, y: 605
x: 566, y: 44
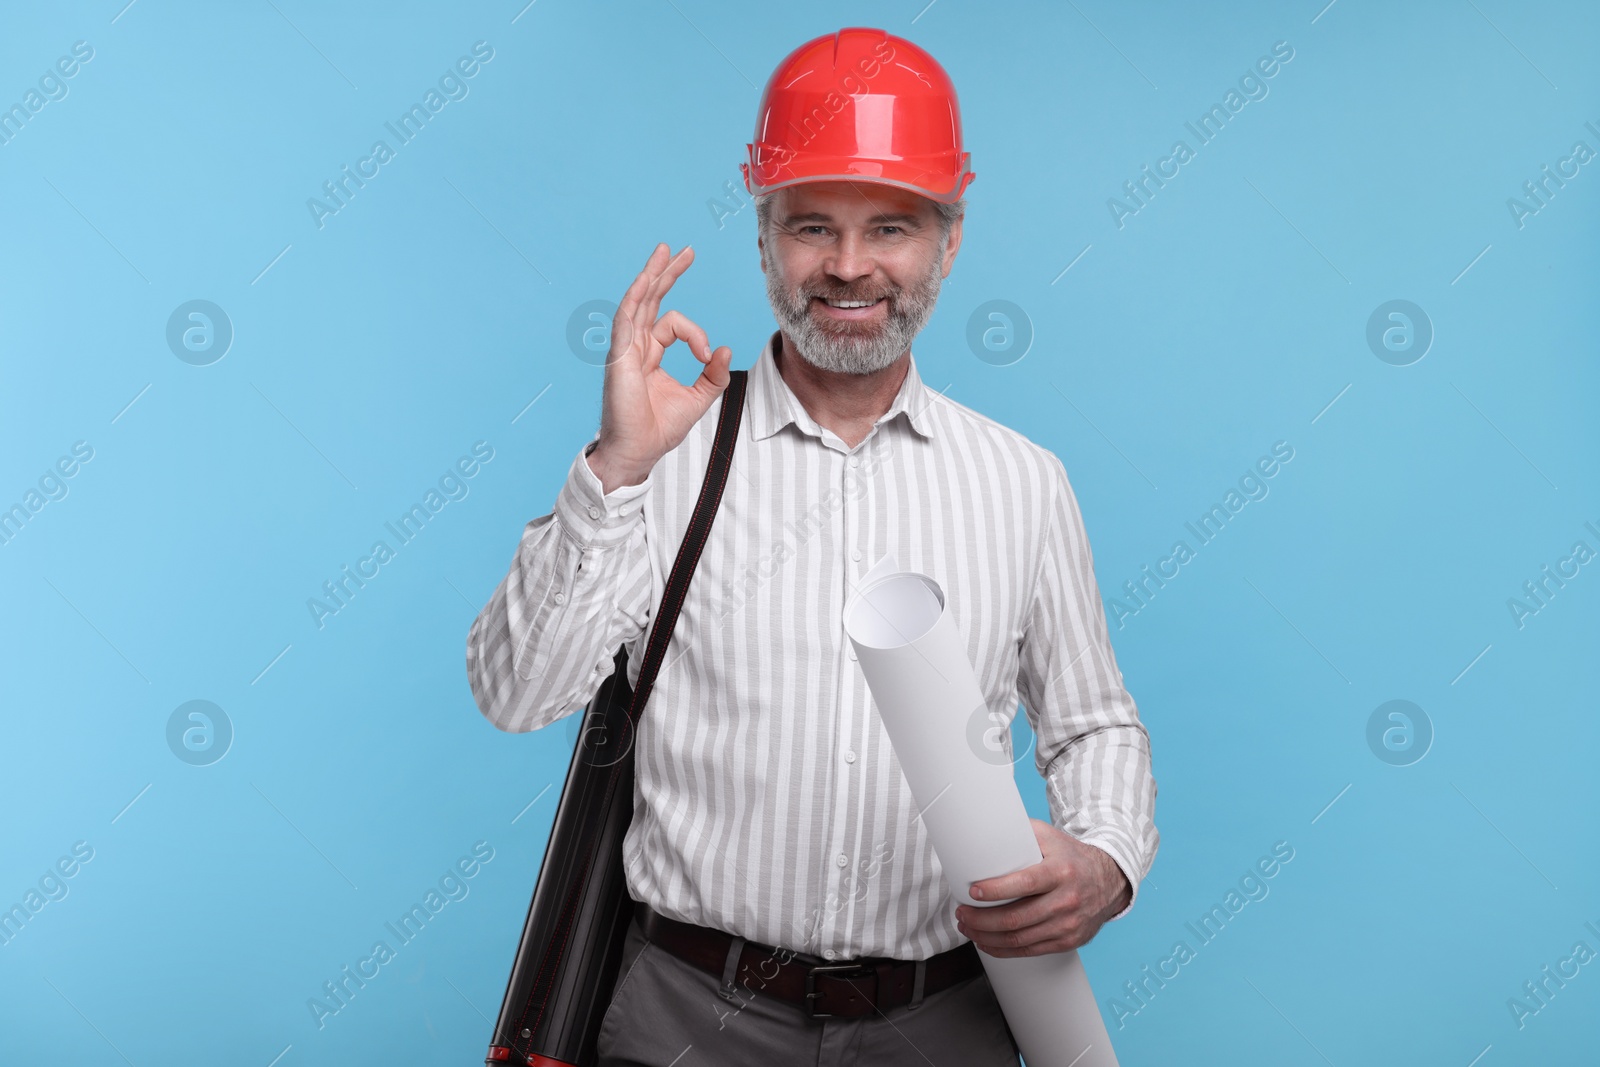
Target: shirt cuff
x: 592, y: 517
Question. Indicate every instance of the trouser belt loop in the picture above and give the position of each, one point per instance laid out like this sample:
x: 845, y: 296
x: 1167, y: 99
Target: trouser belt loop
x: 730, y: 969
x: 917, y: 984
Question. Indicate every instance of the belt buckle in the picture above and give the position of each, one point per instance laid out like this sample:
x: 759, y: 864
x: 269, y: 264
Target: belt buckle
x: 859, y: 970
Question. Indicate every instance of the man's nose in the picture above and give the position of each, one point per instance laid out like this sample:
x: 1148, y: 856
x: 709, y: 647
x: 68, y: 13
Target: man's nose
x: 850, y: 259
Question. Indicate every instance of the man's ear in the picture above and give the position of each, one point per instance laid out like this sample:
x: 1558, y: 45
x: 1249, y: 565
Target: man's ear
x: 761, y: 251
x: 953, y: 247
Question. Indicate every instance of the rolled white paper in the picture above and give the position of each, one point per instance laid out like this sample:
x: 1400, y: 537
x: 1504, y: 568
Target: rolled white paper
x: 927, y: 694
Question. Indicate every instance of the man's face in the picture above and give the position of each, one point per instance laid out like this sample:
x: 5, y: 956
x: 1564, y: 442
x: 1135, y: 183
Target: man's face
x: 833, y: 243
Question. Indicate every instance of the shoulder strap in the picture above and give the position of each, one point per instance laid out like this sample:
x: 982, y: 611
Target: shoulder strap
x: 694, y: 539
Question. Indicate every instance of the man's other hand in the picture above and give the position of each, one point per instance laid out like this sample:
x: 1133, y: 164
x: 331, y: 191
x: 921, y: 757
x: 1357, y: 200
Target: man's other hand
x: 1063, y: 900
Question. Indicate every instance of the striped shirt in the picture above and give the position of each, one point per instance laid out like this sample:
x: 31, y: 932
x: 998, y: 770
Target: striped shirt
x: 767, y: 799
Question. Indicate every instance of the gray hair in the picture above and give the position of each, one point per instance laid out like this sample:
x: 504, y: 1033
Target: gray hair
x: 948, y: 214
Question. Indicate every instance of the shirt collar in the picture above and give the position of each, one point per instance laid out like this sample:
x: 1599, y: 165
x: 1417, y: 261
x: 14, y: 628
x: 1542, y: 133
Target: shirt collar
x: 772, y: 405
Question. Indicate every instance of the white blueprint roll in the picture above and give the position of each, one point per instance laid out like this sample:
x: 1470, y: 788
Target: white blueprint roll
x: 928, y: 696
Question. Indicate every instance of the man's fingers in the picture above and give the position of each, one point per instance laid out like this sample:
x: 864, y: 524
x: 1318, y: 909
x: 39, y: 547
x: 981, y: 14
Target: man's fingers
x: 640, y: 293
x: 1021, y: 883
x: 1038, y: 948
x: 635, y: 322
x: 716, y: 376
x: 643, y: 313
x: 630, y: 323
x: 631, y: 300
x: 675, y: 266
x: 676, y: 326
x: 670, y: 272
x: 1015, y: 916
x: 1049, y: 930
x: 624, y: 335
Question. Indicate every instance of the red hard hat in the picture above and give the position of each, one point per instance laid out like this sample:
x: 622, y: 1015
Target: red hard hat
x: 859, y: 105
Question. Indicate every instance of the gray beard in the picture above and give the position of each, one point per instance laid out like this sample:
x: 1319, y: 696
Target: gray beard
x: 854, y: 348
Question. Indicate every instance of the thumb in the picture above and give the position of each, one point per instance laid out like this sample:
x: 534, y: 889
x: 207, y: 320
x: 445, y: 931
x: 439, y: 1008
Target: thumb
x: 716, y: 375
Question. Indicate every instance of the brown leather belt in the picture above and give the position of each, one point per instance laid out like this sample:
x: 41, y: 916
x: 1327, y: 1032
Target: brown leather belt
x: 845, y: 988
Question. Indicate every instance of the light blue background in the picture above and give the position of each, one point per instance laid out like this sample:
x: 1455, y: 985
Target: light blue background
x: 369, y: 354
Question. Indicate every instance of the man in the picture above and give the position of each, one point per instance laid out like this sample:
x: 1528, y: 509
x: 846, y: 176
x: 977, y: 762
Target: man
x: 773, y: 832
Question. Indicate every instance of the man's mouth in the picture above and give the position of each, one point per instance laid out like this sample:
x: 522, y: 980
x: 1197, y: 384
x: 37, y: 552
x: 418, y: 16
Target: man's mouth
x: 849, y: 309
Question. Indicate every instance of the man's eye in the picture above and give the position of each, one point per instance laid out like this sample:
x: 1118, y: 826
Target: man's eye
x: 813, y: 229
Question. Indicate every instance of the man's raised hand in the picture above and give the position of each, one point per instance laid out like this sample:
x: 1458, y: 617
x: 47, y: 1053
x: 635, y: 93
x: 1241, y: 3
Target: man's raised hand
x: 644, y: 411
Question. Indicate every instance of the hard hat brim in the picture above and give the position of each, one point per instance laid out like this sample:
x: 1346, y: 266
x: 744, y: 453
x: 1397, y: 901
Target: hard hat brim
x: 891, y: 173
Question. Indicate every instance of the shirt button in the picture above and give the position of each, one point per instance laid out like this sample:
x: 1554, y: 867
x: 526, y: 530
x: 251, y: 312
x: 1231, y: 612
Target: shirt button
x: 561, y: 598
x: 855, y: 461
x: 842, y: 860
x: 829, y: 954
x: 852, y: 652
x: 594, y: 512
x: 598, y: 667
x: 849, y: 757
x: 856, y: 554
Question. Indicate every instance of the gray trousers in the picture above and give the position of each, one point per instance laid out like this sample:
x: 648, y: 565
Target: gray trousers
x: 668, y: 1013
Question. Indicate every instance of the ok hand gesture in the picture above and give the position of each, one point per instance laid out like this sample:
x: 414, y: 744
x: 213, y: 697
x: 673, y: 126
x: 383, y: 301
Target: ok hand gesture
x: 645, y: 412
